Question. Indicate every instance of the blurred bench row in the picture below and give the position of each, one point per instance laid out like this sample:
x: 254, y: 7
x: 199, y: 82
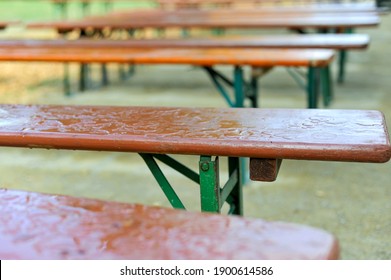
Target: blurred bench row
x: 80, y: 226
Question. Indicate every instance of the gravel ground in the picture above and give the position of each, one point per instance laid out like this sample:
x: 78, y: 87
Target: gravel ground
x: 351, y: 200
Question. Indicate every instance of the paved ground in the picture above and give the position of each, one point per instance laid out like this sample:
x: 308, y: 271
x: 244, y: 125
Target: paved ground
x: 351, y: 200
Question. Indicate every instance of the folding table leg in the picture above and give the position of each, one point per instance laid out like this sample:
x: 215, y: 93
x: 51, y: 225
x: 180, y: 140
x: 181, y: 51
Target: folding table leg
x: 313, y: 87
x: 210, y: 184
x: 239, y: 87
x: 66, y: 81
x: 212, y: 196
x: 327, y: 85
x: 235, y: 199
x: 342, y: 63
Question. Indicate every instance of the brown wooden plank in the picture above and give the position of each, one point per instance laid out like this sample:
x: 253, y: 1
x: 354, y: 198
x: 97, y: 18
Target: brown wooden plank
x: 204, y: 56
x: 216, y: 20
x: 334, y: 135
x: 39, y: 226
x: 298, y: 7
x: 307, y: 6
x: 323, y: 41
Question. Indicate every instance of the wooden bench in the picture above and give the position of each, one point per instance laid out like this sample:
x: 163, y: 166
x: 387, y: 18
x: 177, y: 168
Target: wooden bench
x: 261, y: 61
x: 271, y: 4
x: 200, y: 19
x: 41, y: 226
x: 266, y: 136
x: 340, y: 42
x: 216, y: 20
x: 307, y: 41
x: 265, y: 6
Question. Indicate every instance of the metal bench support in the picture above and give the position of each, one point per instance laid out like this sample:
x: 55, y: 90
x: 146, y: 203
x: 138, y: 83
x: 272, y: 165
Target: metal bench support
x: 212, y: 195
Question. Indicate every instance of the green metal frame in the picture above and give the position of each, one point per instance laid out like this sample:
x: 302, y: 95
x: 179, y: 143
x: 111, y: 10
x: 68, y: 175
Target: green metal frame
x: 212, y: 195
x: 316, y: 79
x: 243, y: 90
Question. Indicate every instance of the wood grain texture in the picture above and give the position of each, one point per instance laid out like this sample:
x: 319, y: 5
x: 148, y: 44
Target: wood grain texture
x: 265, y: 170
x: 38, y: 226
x: 201, y: 19
x: 306, y: 134
x: 192, y: 56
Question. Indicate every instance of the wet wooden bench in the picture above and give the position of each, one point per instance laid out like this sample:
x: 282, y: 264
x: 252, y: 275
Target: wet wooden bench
x: 266, y: 136
x: 269, y: 5
x: 264, y: 6
x: 236, y: 91
x: 212, y: 19
x: 339, y: 42
x: 302, y: 41
x: 42, y: 226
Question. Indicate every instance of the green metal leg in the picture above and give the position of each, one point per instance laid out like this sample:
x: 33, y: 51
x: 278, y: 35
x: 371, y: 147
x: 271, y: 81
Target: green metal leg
x: 67, y: 82
x: 235, y: 199
x: 313, y: 87
x: 105, y: 76
x: 217, y: 80
x: 121, y: 72
x: 239, y: 103
x: 163, y: 182
x: 210, y: 185
x: 239, y: 87
x: 131, y: 69
x: 83, y: 82
x: 254, y: 92
x: 327, y: 85
x: 343, y: 56
x: 212, y: 195
x: 342, y: 63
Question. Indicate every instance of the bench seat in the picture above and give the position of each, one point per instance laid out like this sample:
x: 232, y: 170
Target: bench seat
x: 159, y: 20
x: 335, y: 135
x: 266, y: 136
x: 317, y: 62
x: 310, y: 41
x: 204, y: 57
x: 341, y: 42
x: 272, y: 6
x: 41, y: 226
x: 229, y: 18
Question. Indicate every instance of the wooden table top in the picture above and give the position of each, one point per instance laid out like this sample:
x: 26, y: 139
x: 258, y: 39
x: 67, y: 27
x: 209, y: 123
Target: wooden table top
x: 306, y: 134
